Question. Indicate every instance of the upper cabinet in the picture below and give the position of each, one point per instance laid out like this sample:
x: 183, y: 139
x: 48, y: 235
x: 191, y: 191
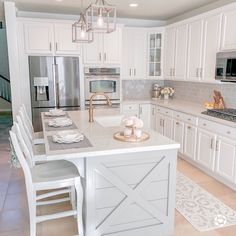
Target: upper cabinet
x: 155, y: 54
x: 195, y: 42
x: 105, y: 49
x: 229, y: 31
x: 176, y: 52
x: 134, y: 53
x: 39, y: 37
x: 49, y: 38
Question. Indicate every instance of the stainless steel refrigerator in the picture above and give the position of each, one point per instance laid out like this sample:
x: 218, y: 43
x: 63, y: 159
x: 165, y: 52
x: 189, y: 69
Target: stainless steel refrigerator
x: 54, y: 82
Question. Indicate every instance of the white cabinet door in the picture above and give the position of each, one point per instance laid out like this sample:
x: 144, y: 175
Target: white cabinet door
x: 112, y: 47
x: 153, y: 117
x: 168, y: 127
x: 140, y: 54
x: 178, y: 133
x: 92, y: 52
x: 144, y: 114
x: 195, y: 39
x: 212, y: 26
x: 170, y: 37
x: 190, y: 141
x: 225, y: 158
x: 206, y: 148
x: 63, y: 40
x: 181, y: 50
x: 39, y: 37
x: 159, y: 123
x: 229, y: 31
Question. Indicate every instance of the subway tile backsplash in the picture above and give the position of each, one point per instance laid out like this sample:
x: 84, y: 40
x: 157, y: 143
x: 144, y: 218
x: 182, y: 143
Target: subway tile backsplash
x: 201, y: 92
x: 138, y: 89
x: 188, y: 91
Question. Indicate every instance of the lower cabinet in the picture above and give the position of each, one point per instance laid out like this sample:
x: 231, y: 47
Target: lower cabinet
x: 225, y: 158
x: 168, y: 127
x: 206, y: 149
x: 190, y: 141
x: 178, y: 134
x: 159, y: 123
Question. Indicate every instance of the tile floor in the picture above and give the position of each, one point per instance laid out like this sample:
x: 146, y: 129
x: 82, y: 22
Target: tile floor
x: 14, y: 219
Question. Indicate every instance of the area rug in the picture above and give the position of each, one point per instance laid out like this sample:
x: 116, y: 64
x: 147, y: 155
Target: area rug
x: 202, y: 210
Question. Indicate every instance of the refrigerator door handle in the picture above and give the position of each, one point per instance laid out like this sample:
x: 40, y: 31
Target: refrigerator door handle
x: 55, y: 84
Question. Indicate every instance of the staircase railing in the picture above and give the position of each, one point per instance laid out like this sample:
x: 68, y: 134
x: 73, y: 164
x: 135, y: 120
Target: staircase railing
x: 5, y: 88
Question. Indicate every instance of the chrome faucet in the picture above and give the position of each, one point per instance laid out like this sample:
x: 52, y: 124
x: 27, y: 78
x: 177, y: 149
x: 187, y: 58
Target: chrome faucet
x: 91, y: 104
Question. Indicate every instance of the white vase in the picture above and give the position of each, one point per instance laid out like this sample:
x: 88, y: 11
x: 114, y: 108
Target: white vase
x: 166, y: 96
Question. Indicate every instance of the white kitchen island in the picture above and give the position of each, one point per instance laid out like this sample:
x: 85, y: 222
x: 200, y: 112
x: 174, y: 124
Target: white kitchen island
x: 129, y: 188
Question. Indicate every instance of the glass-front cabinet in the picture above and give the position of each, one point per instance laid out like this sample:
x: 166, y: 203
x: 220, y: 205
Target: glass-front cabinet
x: 155, y: 54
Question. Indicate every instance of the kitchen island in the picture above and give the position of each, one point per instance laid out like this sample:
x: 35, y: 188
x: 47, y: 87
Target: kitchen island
x: 129, y: 188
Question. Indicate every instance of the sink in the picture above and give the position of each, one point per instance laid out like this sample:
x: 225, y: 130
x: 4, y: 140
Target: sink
x: 109, y: 121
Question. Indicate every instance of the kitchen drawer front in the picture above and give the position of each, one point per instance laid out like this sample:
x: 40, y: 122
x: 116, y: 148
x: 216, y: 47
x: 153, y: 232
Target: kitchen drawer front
x: 218, y: 128
x: 185, y: 117
x: 164, y: 111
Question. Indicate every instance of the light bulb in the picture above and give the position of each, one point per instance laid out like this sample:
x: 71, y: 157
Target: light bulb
x: 82, y: 34
x: 100, y: 21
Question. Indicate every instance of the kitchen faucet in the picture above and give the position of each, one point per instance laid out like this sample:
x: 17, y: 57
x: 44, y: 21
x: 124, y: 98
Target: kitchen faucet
x: 91, y: 104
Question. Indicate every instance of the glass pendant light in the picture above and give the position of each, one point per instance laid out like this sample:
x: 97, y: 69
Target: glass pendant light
x: 101, y: 17
x: 79, y: 29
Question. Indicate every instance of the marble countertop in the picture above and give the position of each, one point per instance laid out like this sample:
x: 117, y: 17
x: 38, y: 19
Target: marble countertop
x: 183, y: 106
x: 102, y: 139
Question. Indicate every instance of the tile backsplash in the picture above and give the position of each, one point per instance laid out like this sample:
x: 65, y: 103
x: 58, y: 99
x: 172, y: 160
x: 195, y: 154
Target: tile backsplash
x: 188, y: 91
x: 138, y: 89
x: 201, y: 92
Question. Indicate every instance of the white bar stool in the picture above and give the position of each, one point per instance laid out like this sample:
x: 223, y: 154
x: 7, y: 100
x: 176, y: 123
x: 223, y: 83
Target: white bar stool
x: 36, y: 137
x: 48, y: 176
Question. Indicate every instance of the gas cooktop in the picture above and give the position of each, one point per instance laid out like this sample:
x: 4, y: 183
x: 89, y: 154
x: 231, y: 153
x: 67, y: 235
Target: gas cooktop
x: 225, y: 114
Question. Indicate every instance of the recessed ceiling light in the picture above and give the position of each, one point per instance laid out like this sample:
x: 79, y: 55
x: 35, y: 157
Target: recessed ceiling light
x: 133, y: 4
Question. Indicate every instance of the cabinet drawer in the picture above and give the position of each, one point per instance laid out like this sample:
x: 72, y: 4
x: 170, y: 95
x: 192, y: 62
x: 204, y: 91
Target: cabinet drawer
x: 130, y: 107
x: 218, y: 128
x: 164, y: 111
x: 185, y: 117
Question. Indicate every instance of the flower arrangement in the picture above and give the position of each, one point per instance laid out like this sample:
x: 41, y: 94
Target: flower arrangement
x: 167, y: 91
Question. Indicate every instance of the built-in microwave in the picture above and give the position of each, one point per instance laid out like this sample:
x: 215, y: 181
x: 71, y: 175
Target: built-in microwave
x: 226, y: 66
x: 102, y: 80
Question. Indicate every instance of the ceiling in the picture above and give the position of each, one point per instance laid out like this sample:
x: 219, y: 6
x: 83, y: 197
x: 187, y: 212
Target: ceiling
x: 147, y: 9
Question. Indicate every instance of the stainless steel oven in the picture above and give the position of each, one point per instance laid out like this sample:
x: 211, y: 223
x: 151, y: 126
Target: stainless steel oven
x: 226, y: 66
x: 102, y: 80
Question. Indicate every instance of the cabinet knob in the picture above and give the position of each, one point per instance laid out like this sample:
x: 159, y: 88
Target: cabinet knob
x: 228, y: 132
x: 189, y: 127
x: 177, y: 123
x: 204, y: 124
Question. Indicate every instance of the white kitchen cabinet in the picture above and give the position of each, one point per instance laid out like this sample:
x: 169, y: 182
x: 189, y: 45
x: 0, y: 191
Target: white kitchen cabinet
x: 211, y: 45
x: 225, y: 158
x: 178, y: 133
x: 63, y: 40
x: 168, y: 127
x: 155, y: 54
x: 206, y: 149
x: 190, y: 141
x: 195, y: 42
x: 39, y: 37
x: 134, y: 53
x: 170, y: 41
x: 181, y: 50
x: 159, y: 123
x: 145, y: 114
x: 104, y: 50
x: 229, y: 30
x: 153, y: 117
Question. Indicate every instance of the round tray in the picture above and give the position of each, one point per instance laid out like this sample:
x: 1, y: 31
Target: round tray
x: 120, y: 136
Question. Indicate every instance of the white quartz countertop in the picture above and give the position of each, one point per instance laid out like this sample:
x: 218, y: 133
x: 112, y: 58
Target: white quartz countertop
x: 102, y: 139
x: 183, y: 106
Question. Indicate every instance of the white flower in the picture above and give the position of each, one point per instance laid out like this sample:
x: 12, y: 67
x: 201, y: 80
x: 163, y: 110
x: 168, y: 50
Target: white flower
x: 167, y: 91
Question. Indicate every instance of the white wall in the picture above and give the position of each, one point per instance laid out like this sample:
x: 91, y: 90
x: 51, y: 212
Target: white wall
x: 4, y: 67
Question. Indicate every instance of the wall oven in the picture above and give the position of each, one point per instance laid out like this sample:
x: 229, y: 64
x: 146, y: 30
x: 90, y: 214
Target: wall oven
x: 102, y: 80
x: 226, y: 66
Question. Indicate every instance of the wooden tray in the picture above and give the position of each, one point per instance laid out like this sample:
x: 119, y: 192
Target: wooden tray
x: 120, y: 136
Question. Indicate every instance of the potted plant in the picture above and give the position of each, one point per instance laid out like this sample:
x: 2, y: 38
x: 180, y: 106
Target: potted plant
x: 167, y: 92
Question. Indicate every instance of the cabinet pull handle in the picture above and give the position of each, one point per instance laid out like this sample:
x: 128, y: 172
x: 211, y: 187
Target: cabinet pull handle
x: 100, y: 56
x: 201, y: 72
x: 173, y: 71
x: 177, y: 123
x: 50, y: 46
x: 197, y: 72
x: 189, y: 127
x: 56, y: 47
x: 141, y: 110
x: 130, y: 72
x: 228, y: 132
x: 134, y: 72
x: 105, y: 56
x: 217, y: 145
